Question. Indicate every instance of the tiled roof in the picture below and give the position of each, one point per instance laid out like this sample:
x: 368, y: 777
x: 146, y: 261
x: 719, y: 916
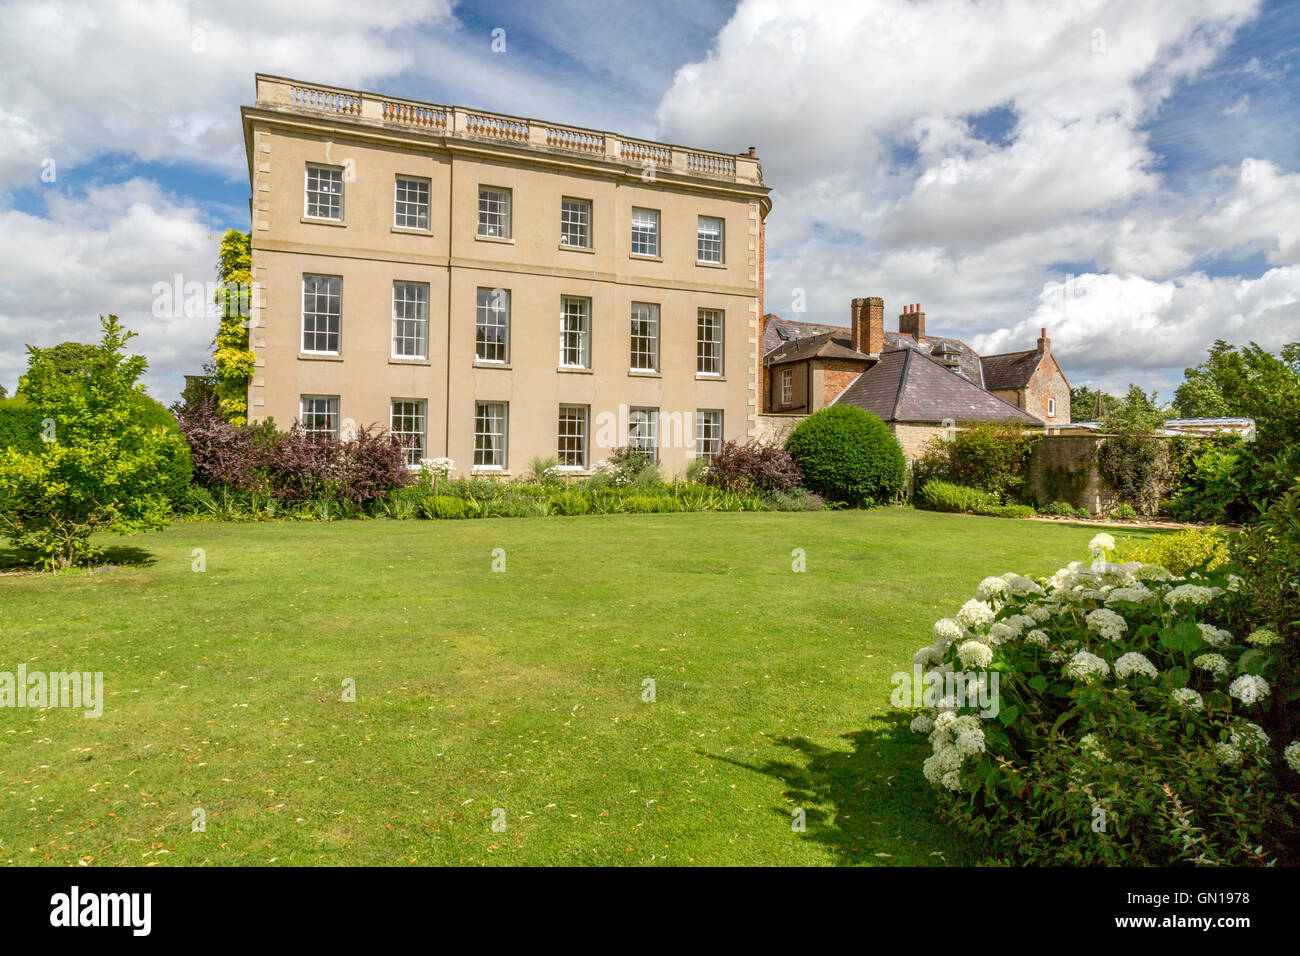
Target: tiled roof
x: 774, y: 326
x: 1011, y: 369
x: 906, y: 385
x: 833, y: 344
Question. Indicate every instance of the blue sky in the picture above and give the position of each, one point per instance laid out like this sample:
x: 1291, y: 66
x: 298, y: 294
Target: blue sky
x: 1125, y: 173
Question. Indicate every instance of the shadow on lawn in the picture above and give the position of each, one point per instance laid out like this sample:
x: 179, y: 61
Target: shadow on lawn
x: 868, y: 804
x: 12, y: 559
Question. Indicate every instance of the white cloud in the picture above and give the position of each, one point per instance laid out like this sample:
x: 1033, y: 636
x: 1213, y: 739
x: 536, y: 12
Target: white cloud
x: 103, y: 253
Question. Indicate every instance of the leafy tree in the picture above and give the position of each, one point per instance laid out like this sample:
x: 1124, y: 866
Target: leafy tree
x: 104, y: 465
x: 232, y: 359
x: 1133, y: 459
x: 1083, y: 404
x: 991, y: 457
x: 1136, y: 411
x: 4, y: 392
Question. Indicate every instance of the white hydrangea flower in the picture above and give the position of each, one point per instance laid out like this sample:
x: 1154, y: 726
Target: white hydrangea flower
x: 922, y: 724
x: 1292, y: 755
x: 1038, y: 613
x: 970, y: 742
x: 1246, y: 735
x: 1021, y: 586
x: 1263, y: 637
x: 1214, y: 636
x: 927, y: 656
x: 952, y: 780
x: 1227, y: 754
x: 1193, y: 594
x: 1186, y: 697
x: 974, y: 655
x: 1249, y: 689
x: 1037, y: 637
x: 1137, y: 593
x: 992, y: 589
x: 1000, y: 632
x: 975, y: 614
x: 1216, y: 664
x: 1153, y: 572
x: 1134, y: 663
x: 1108, y: 624
x: 946, y: 631
x: 1101, y: 542
x: 1090, y: 745
x: 1086, y: 666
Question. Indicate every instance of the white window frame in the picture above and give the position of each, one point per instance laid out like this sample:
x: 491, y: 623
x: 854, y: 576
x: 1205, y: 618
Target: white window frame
x: 485, y: 317
x: 708, y: 420
x: 307, y: 191
x: 644, y: 348
x: 573, y: 457
x: 407, y: 328
x: 640, y: 415
x: 485, y: 416
x: 703, y: 244
x: 575, y: 222
x: 499, y: 218
x: 787, y: 386
x: 331, y: 413
x: 641, y: 233
x: 316, y: 315
x: 414, y: 440
x: 571, y: 333
x: 709, y: 351
x: 421, y: 207
x: 1051, y: 408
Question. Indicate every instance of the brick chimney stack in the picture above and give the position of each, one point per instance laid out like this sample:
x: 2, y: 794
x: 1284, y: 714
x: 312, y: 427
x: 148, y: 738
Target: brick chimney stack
x: 868, y: 324
x: 1045, y: 344
x: 912, y: 322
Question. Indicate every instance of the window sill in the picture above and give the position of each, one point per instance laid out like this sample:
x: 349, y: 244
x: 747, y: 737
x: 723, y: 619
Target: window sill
x: 411, y: 231
x: 485, y: 470
x: 587, y: 249
x: 637, y: 373
x: 642, y: 257
x: 312, y: 221
x: 574, y: 369
x: 505, y: 366
x: 503, y: 240
x: 705, y: 377
x: 710, y: 265
x: 407, y: 360
x: 320, y: 357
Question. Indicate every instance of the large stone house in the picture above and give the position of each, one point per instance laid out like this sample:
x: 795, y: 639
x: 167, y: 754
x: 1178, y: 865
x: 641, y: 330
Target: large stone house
x: 919, y: 384
x: 492, y: 288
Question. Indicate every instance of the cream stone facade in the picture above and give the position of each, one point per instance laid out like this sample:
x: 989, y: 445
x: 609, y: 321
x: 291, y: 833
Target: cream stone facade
x: 380, y: 300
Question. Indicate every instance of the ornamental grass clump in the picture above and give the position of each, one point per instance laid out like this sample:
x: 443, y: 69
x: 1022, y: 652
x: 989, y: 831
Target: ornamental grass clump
x: 1126, y: 729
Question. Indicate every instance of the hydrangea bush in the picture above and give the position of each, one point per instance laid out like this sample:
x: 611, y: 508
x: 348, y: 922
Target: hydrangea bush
x: 1127, y: 727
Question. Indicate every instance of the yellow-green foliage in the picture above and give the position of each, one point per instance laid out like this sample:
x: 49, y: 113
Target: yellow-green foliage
x: 232, y: 357
x: 1178, y: 551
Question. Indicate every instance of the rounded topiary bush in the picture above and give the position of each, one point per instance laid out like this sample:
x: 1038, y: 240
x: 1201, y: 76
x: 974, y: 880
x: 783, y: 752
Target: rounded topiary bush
x: 847, y: 454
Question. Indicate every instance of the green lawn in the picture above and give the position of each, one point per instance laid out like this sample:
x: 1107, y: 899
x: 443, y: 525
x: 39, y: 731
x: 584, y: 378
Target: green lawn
x: 477, y: 690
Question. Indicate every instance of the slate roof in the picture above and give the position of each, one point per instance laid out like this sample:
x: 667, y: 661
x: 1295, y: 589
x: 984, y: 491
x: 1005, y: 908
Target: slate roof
x: 807, y: 340
x: 1010, y: 369
x: 906, y: 385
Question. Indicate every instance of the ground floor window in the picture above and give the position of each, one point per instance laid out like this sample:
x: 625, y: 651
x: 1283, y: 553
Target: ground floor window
x: 573, y: 436
x: 407, y: 426
x: 490, y: 434
x: 643, y: 431
x: 319, y: 415
x: 708, y: 432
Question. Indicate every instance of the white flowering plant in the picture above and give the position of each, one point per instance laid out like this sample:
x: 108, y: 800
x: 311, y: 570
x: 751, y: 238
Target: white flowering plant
x: 1127, y: 722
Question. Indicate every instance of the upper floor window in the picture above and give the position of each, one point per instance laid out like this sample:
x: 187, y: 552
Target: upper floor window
x: 492, y: 326
x: 319, y: 415
x: 709, y: 245
x: 575, y: 223
x: 645, y: 337
x: 407, y: 425
x: 787, y: 386
x: 708, y: 353
x: 322, y: 313
x: 708, y: 432
x: 1051, y: 408
x: 411, y: 203
x: 410, y: 320
x: 324, y: 199
x: 575, y: 332
x: 645, y: 232
x: 494, y: 212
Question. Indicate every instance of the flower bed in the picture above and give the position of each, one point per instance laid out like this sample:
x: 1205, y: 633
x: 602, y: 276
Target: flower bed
x: 1124, y: 719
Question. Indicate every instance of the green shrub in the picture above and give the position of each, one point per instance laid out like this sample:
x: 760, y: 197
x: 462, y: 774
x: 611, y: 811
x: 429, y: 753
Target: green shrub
x: 445, y: 506
x: 1059, y: 509
x: 571, y: 503
x: 20, y: 425
x: 1125, y: 512
x: 1007, y: 511
x: 1178, y: 551
x: 937, y: 495
x: 988, y: 456
x: 849, y: 455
